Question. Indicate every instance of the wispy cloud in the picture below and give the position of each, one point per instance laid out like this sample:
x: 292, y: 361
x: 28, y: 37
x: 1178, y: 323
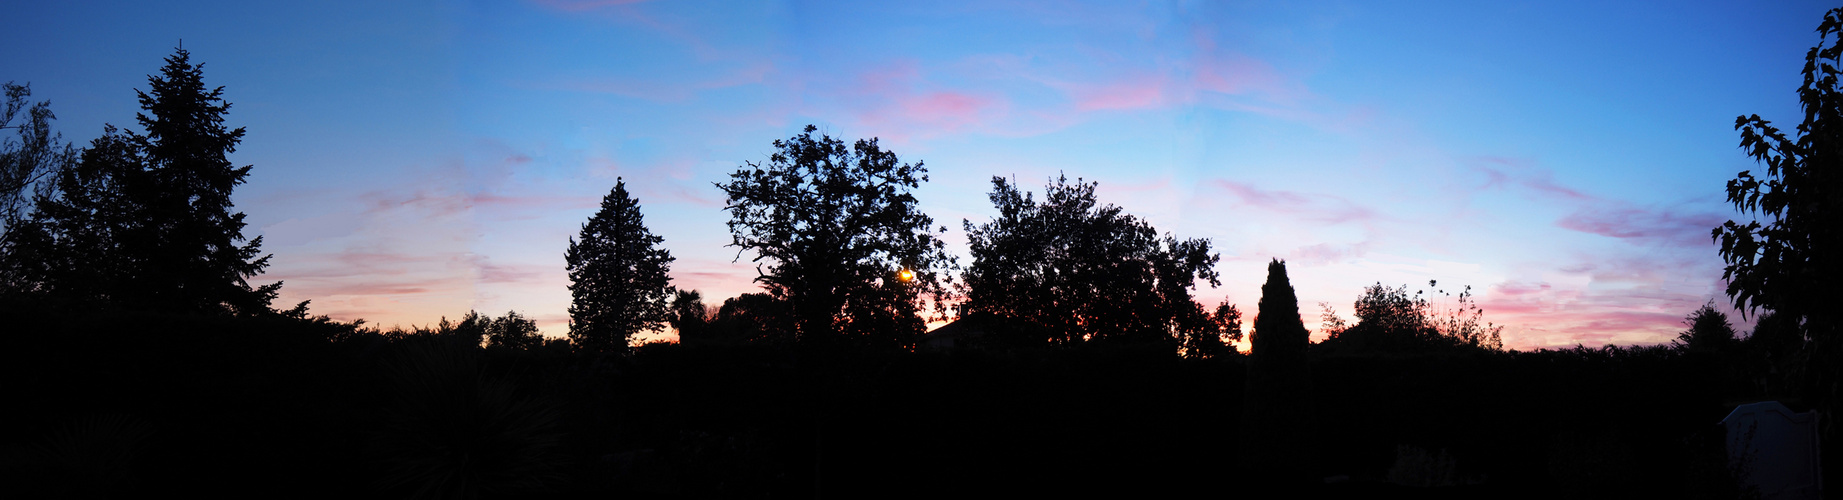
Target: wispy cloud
x: 898, y: 102
x: 1321, y: 208
x: 1649, y: 226
x: 1190, y: 81
x: 1612, y: 218
x: 667, y: 181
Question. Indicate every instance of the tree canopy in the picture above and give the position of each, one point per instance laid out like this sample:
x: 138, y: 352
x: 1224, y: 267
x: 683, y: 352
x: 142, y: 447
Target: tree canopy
x: 1068, y: 269
x: 839, y: 227
x: 1790, y: 264
x: 30, y: 154
x: 1785, y: 259
x: 619, y: 277
x: 1389, y: 319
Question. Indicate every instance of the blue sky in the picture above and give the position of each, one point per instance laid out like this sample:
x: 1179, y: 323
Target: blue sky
x: 421, y: 159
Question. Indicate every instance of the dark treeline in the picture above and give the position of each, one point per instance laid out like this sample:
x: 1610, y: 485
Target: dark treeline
x: 141, y: 358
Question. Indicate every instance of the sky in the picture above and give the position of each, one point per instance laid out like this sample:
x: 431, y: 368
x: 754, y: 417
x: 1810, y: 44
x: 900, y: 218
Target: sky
x: 416, y: 160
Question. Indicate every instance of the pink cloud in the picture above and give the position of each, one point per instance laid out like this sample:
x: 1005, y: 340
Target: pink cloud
x: 1191, y: 81
x: 1234, y: 73
x: 667, y: 180
x: 1142, y: 92
x: 1601, y: 216
x: 1328, y: 252
x: 1517, y: 289
x: 1526, y: 174
x: 1320, y: 208
x: 435, y: 204
x: 1644, y: 225
x: 1599, y: 300
x: 498, y: 273
x: 896, y: 102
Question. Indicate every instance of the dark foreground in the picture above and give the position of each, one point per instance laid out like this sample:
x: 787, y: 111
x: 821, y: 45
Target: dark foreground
x: 119, y: 404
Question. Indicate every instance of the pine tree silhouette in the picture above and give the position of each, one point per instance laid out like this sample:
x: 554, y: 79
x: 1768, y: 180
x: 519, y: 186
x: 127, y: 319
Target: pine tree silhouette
x: 193, y: 261
x: 618, y: 277
x: 145, y: 221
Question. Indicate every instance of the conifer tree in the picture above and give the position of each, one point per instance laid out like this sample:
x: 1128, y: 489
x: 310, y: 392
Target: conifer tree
x: 1276, y: 423
x: 619, y: 284
x: 145, y: 220
x: 193, y: 259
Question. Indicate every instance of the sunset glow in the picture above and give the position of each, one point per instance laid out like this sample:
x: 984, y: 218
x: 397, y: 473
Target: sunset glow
x: 421, y: 159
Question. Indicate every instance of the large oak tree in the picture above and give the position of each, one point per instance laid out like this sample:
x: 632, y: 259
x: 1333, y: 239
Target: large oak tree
x: 846, y: 247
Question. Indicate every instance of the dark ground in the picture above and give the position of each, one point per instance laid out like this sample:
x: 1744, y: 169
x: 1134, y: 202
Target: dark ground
x: 116, y: 404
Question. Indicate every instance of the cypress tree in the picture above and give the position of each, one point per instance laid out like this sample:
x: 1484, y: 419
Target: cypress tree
x: 1277, y: 403
x: 619, y: 283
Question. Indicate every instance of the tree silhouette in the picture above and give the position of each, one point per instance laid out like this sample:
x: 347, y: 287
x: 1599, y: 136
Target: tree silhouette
x: 1389, y: 319
x: 1277, y: 408
x: 146, y: 221
x: 1790, y: 265
x: 691, y: 317
x: 1070, y: 270
x: 79, y: 244
x: 839, y: 227
x: 197, y: 263
x: 513, y: 331
x: 754, y: 317
x: 33, y: 154
x: 1215, y: 335
x: 619, y: 280
x: 1709, y: 331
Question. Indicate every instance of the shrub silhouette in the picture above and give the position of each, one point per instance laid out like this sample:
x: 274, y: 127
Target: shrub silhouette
x: 1709, y: 332
x: 1389, y: 319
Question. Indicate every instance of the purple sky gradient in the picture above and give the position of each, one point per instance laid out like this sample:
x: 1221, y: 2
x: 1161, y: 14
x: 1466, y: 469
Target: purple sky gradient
x: 419, y: 160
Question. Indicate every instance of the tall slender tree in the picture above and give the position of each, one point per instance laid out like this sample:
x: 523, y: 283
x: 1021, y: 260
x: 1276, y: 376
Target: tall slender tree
x: 1277, y: 413
x: 619, y: 282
